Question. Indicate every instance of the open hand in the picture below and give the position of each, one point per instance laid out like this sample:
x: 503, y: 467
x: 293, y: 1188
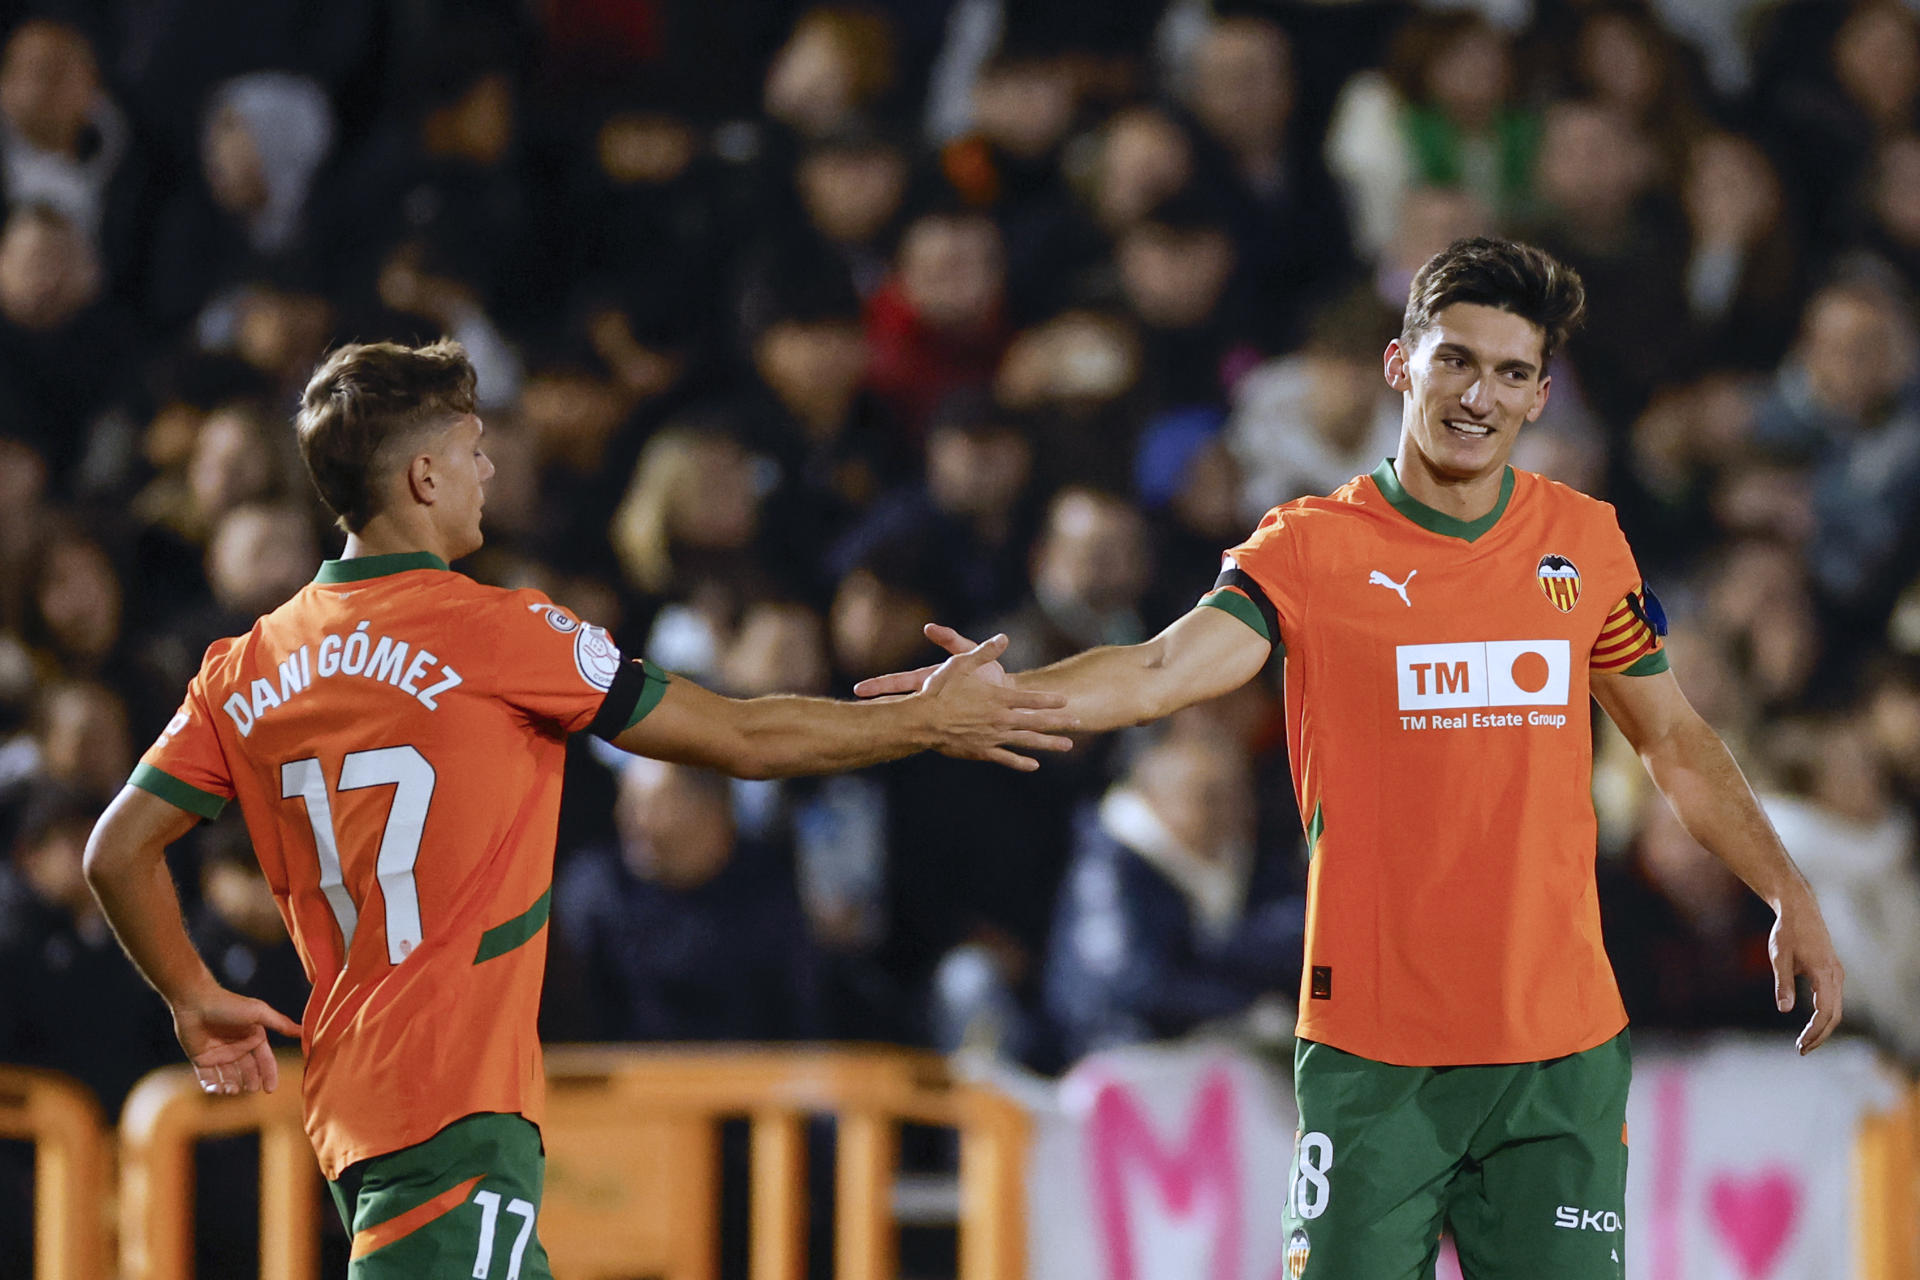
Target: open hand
x: 910, y: 681
x: 225, y: 1036
x: 1799, y: 945
x: 978, y: 711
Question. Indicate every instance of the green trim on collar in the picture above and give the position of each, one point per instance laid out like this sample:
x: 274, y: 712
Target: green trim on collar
x: 1438, y: 521
x: 360, y: 568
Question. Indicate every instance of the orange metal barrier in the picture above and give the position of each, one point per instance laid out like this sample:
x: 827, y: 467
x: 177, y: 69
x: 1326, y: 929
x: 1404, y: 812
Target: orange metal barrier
x: 166, y: 1114
x: 633, y: 1162
x: 71, y: 1211
x: 1887, y: 1184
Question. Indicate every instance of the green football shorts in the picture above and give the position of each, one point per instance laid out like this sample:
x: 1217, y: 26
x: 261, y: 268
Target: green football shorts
x: 462, y: 1203
x: 1525, y: 1164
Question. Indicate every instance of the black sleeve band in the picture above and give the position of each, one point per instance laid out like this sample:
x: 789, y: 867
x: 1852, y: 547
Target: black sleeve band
x: 1232, y: 576
x: 623, y: 696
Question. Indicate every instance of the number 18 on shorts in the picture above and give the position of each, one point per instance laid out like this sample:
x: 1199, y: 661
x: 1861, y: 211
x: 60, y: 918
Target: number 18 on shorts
x: 1524, y: 1164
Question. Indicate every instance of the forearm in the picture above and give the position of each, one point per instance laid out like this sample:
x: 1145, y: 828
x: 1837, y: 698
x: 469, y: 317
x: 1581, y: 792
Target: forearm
x: 1109, y: 687
x: 1700, y: 780
x: 137, y: 895
x: 784, y: 736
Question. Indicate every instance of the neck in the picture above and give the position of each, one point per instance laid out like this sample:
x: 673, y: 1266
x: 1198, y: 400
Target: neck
x: 1463, y: 498
x: 388, y: 535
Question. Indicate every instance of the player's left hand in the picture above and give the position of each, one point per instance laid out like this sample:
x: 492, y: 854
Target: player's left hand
x: 225, y: 1036
x: 1799, y: 945
x: 908, y: 681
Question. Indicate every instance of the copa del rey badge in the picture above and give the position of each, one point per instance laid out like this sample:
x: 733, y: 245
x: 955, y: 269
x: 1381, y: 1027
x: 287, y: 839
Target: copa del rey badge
x: 1560, y: 581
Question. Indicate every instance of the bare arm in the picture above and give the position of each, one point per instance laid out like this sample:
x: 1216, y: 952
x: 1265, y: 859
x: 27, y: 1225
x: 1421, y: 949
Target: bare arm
x: 1696, y: 773
x: 225, y: 1034
x: 1203, y: 654
x: 948, y: 710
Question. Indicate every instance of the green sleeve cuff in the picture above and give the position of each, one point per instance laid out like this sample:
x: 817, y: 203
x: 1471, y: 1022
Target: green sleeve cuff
x: 181, y: 795
x: 1233, y: 602
x: 651, y: 692
x: 1650, y: 665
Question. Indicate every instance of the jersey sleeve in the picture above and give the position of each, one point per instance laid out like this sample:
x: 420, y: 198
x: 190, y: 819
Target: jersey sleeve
x: 1630, y: 642
x: 1258, y: 582
x: 567, y: 673
x: 186, y: 766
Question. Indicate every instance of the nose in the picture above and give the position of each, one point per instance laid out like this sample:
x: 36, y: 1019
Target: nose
x: 1478, y: 398
x: 486, y: 468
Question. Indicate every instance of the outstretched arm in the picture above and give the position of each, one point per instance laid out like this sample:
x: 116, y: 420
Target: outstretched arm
x: 1698, y: 776
x: 1203, y: 654
x: 223, y: 1033
x: 949, y: 709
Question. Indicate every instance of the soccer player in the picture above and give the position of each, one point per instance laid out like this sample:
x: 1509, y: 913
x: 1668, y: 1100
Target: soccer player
x: 1462, y: 1056
x: 395, y: 735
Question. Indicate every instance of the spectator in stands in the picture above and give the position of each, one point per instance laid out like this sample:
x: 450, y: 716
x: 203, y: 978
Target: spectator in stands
x: 66, y: 144
x: 939, y: 323
x: 450, y: 173
x: 852, y: 185
x: 682, y: 932
x: 1847, y: 405
x: 1024, y: 105
x: 1599, y: 210
x: 245, y: 212
x: 810, y: 412
x: 644, y: 251
x: 1310, y: 421
x: 61, y: 959
x: 1089, y: 570
x: 1890, y: 220
x: 837, y: 63
x: 1622, y: 56
x: 1745, y: 276
x: 66, y: 351
x: 1285, y: 211
x: 1838, y: 815
x: 973, y: 504
x: 1178, y: 271
x: 1076, y: 381
x: 85, y: 743
x: 1830, y: 117
x: 686, y: 535
x: 1444, y: 113
x: 1170, y: 917
x: 1688, y: 942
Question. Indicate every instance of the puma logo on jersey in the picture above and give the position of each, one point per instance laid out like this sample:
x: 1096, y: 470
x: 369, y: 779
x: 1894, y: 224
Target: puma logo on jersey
x: 1379, y: 579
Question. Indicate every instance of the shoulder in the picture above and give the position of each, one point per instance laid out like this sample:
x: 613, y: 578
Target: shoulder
x: 1317, y: 515
x: 1564, y: 502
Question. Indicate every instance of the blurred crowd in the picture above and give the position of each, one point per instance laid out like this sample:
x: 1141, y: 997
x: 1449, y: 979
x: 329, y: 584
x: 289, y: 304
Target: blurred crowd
x: 799, y: 327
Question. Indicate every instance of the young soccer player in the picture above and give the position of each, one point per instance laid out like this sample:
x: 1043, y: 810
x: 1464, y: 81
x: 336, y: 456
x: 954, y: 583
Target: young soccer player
x: 1462, y: 1056
x: 395, y: 735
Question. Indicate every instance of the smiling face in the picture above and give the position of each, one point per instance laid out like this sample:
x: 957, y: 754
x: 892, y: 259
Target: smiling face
x: 1470, y: 381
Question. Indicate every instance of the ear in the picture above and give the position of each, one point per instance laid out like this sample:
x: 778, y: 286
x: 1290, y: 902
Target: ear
x: 421, y: 481
x: 1540, y: 399
x: 1398, y: 376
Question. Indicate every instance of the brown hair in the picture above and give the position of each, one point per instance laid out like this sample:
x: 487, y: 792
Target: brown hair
x: 364, y: 404
x: 1518, y: 278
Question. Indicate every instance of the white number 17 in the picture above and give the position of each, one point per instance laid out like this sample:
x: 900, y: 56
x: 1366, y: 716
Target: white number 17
x: 411, y: 777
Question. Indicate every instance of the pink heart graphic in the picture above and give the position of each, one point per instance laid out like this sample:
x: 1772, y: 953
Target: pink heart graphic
x: 1755, y: 1215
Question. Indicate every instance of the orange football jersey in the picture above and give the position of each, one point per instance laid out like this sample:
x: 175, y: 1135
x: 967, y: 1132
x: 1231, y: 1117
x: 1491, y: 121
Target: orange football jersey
x: 1438, y: 717
x: 395, y: 736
